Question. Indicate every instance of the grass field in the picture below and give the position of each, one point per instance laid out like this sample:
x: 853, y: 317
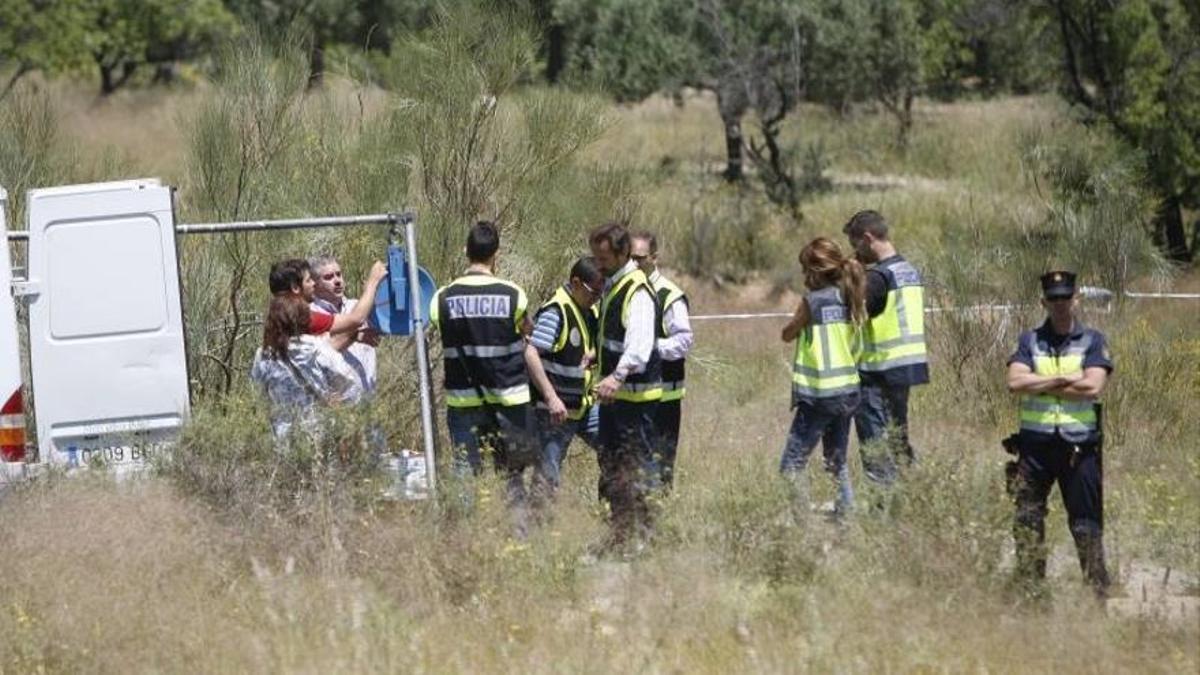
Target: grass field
x: 148, y: 576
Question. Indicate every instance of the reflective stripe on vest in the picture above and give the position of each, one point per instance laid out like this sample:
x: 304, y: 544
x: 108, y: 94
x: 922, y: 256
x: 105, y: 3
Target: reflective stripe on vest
x: 479, y: 318
x: 824, y: 364
x: 469, y: 398
x: 563, y: 365
x: 1047, y: 414
x: 896, y: 337
x: 673, y: 370
x: 614, y: 314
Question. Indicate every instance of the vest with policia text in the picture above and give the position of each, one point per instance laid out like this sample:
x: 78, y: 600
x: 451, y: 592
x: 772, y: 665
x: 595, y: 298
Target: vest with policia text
x: 614, y: 318
x: 672, y: 370
x: 824, y: 365
x: 479, y: 318
x: 894, y: 341
x: 1075, y: 421
x: 564, y: 364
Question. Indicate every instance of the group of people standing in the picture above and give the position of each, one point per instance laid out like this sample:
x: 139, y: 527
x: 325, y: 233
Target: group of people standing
x: 603, y: 359
x: 860, y: 347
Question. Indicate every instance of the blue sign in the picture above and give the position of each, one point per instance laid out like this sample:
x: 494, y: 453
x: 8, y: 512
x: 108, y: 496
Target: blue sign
x: 392, y: 314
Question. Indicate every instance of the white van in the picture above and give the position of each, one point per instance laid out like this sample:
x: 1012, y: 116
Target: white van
x: 106, y: 338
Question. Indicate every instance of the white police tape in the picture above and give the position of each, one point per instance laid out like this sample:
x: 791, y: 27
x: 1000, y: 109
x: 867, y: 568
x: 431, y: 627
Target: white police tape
x: 937, y: 310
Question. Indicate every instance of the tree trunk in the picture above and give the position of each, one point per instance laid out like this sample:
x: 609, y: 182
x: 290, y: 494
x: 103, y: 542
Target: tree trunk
x: 22, y: 70
x: 556, y: 51
x: 733, y: 147
x: 166, y: 73
x: 905, y: 118
x: 316, y: 65
x: 1168, y: 225
x: 109, y: 81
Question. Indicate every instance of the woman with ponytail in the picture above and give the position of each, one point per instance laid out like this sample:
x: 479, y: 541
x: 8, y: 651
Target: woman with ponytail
x: 300, y: 374
x: 824, y: 371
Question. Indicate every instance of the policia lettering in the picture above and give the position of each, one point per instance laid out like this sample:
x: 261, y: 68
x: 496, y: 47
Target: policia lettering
x: 824, y: 365
x: 614, y: 315
x: 564, y: 364
x: 483, y: 346
x: 896, y: 337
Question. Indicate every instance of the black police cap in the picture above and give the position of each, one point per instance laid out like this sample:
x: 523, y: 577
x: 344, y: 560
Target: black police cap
x: 1059, y: 284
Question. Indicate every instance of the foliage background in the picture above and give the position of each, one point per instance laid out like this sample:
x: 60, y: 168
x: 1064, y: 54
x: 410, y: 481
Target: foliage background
x: 232, y: 557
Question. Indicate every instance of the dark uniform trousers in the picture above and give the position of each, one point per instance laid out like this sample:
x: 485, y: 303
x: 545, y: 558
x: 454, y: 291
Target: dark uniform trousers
x: 1077, y: 470
x: 666, y: 421
x: 628, y: 443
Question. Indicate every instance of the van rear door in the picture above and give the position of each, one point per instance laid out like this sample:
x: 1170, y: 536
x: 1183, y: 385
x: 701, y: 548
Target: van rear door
x: 106, y: 332
x: 12, y: 409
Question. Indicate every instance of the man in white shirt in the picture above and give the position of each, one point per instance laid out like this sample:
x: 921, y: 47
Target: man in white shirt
x: 630, y: 387
x: 674, y: 342
x: 329, y: 297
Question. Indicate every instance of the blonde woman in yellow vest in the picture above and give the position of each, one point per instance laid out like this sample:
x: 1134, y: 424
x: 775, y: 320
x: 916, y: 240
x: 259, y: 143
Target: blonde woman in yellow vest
x: 1059, y: 370
x: 825, y: 380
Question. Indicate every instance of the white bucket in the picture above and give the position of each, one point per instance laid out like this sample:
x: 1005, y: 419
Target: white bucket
x: 409, y: 479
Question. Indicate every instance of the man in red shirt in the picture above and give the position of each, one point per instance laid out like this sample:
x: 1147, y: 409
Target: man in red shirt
x: 294, y: 276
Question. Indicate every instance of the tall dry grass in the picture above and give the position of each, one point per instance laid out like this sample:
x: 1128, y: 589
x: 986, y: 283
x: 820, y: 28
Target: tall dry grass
x: 143, y: 576
x: 235, y: 559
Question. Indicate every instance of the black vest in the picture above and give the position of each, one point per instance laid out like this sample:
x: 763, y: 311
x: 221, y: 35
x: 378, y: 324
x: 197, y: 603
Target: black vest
x: 643, y: 386
x: 479, y: 317
x: 563, y: 364
x: 672, y: 370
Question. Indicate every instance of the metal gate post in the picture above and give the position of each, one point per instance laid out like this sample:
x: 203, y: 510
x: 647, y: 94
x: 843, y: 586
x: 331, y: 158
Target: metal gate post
x: 418, y: 319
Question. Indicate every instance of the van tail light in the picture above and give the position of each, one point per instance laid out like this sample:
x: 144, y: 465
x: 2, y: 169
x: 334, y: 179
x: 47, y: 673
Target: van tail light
x: 12, y: 429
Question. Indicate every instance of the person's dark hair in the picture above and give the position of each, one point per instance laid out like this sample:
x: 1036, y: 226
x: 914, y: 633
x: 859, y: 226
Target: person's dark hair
x: 287, y: 317
x: 287, y: 275
x: 616, y: 234
x: 866, y: 221
x: 586, y: 271
x: 648, y: 236
x: 482, y: 241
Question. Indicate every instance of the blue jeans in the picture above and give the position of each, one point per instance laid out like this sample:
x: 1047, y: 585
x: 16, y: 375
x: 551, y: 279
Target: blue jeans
x: 882, y: 425
x: 826, y: 421
x: 556, y: 440
x: 506, y: 431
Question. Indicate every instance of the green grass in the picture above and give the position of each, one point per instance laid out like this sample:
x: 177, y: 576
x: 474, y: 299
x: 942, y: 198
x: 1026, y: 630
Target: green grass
x: 236, y: 561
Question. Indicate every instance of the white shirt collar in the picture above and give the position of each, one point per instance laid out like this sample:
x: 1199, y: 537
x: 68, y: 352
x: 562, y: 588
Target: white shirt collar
x: 630, y: 266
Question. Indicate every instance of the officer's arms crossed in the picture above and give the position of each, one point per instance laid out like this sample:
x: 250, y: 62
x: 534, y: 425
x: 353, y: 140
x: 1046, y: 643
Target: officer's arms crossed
x: 1022, y: 380
x: 1088, y: 387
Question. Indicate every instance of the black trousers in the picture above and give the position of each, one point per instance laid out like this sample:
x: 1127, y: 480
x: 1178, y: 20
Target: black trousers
x: 1078, y: 472
x: 628, y: 472
x: 666, y: 423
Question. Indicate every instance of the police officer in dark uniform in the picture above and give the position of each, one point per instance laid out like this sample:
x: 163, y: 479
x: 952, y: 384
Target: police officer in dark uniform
x: 483, y: 322
x: 1059, y: 370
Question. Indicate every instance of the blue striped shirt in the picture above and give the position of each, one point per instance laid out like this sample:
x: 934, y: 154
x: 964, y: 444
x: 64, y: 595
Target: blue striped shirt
x: 545, y: 331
